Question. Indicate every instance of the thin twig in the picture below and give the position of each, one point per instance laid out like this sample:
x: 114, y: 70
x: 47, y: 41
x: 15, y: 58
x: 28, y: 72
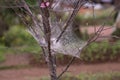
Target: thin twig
x: 98, y: 32
x: 77, y: 7
x: 68, y: 65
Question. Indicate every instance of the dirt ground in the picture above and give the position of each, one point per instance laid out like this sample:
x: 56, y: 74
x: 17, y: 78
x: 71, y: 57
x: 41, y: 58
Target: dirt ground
x: 36, y: 73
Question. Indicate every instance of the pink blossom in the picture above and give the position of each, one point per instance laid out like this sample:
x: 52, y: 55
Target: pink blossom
x: 44, y: 4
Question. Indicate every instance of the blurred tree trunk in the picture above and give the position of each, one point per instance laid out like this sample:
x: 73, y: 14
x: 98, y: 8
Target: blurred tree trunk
x: 3, y: 27
x: 117, y: 19
x: 117, y: 22
x: 117, y: 8
x: 117, y: 4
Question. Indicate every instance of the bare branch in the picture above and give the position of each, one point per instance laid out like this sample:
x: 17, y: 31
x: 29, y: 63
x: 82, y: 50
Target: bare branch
x: 68, y: 65
x: 79, y: 4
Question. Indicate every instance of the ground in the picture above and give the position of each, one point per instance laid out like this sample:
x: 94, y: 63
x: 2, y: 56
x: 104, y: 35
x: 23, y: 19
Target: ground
x: 35, y: 73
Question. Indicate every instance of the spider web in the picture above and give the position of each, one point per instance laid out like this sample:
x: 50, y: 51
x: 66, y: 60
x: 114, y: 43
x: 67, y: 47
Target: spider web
x: 63, y: 37
x: 69, y: 43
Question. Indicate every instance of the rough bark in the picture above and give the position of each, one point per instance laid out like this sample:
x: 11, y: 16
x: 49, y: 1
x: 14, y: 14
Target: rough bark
x: 47, y: 32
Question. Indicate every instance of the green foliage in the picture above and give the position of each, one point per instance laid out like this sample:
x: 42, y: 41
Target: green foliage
x: 95, y: 21
x: 95, y: 52
x: 100, y: 76
x: 99, y: 17
x: 68, y: 77
x: 18, y: 36
x: 86, y: 76
x: 18, y: 40
x: 44, y: 78
x: 2, y: 57
x: 31, y: 2
x: 103, y: 51
x: 8, y: 16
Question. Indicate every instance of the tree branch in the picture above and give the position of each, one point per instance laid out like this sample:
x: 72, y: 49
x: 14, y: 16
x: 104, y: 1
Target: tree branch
x: 68, y: 65
x: 75, y: 11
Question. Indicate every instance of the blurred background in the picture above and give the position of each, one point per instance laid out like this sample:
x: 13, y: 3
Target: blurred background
x: 21, y: 57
